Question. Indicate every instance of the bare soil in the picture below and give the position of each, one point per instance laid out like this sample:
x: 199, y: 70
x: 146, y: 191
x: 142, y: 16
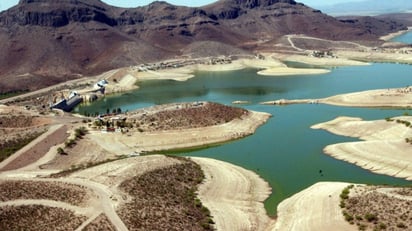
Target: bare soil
x: 38, y: 149
x: 81, y: 154
x: 17, y: 128
x: 100, y: 223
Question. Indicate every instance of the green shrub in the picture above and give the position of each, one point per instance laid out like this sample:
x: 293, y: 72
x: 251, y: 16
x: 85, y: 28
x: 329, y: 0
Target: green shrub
x: 382, y: 226
x: 362, y: 227
x: 61, y: 151
x: 371, y: 217
x: 348, y: 217
x: 345, y: 193
x: 359, y: 218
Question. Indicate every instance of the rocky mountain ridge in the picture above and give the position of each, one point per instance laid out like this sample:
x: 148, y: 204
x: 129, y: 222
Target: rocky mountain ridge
x: 49, y: 41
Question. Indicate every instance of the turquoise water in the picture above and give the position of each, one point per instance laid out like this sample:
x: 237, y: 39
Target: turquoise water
x: 405, y: 38
x: 285, y: 151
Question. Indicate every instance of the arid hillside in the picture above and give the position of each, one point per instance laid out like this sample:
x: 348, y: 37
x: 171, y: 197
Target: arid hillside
x: 44, y: 42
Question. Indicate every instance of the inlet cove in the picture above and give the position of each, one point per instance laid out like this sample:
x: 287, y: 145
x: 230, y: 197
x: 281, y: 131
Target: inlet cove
x: 285, y: 151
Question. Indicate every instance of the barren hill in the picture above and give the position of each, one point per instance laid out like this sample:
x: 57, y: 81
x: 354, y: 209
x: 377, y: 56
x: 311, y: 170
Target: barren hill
x: 43, y: 42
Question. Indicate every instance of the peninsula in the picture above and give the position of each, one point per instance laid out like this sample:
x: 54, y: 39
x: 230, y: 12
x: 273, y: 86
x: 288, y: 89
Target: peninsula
x: 104, y: 170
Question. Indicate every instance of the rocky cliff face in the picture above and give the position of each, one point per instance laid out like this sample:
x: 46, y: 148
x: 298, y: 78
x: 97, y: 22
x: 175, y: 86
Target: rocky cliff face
x: 259, y: 3
x: 56, y: 13
x: 46, y: 41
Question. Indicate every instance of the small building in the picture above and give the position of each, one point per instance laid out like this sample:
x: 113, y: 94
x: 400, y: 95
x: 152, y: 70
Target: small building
x: 68, y: 105
x: 101, y: 84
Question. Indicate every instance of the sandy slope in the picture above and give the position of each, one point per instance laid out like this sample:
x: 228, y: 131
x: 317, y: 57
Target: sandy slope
x: 324, y: 62
x: 178, y: 139
x: 234, y: 196
x: 384, y: 150
x: 374, y: 56
x: 285, y: 71
x: 126, y: 77
x: 393, y: 97
x: 399, y: 97
x: 314, y: 209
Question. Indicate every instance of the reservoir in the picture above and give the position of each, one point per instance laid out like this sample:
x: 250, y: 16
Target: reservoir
x: 404, y: 38
x: 285, y: 151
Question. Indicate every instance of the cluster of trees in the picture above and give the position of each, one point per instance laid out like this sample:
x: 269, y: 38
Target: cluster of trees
x: 108, y: 111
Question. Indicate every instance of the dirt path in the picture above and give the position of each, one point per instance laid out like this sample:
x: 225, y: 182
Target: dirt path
x: 35, y: 149
x: 106, y: 203
x: 103, y: 202
x: 234, y: 196
x: 292, y: 44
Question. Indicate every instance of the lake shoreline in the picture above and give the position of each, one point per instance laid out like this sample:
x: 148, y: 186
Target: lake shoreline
x: 384, y: 150
x: 392, y: 97
x: 125, y: 79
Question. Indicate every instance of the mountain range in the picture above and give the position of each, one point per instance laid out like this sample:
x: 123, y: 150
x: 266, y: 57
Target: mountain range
x: 44, y: 42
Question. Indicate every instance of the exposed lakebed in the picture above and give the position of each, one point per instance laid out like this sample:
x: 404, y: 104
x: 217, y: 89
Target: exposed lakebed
x: 285, y: 151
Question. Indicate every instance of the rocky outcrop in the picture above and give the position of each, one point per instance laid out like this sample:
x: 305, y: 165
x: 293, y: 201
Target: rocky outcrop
x: 55, y: 13
x: 260, y: 3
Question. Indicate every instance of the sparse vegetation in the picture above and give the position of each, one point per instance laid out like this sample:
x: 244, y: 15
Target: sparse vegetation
x: 38, y: 217
x: 185, y: 116
x: 388, y: 119
x: 377, y: 210
x: 61, y: 151
x: 79, y: 133
x: 11, y: 94
x: 371, y: 217
x: 17, y: 190
x: 405, y: 122
x: 401, y: 225
x: 100, y: 223
x: 165, y: 199
x: 75, y: 168
x: 9, y: 147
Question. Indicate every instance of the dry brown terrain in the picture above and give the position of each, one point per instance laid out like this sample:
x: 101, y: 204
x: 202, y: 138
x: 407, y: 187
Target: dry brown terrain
x: 97, y: 189
x: 100, y: 223
x: 38, y: 217
x: 378, y: 207
x: 162, y: 190
x: 18, y: 127
x: 341, y: 206
x: 43, y: 190
x: 184, y: 116
x: 165, y: 199
x: 46, y: 44
x: 94, y: 200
